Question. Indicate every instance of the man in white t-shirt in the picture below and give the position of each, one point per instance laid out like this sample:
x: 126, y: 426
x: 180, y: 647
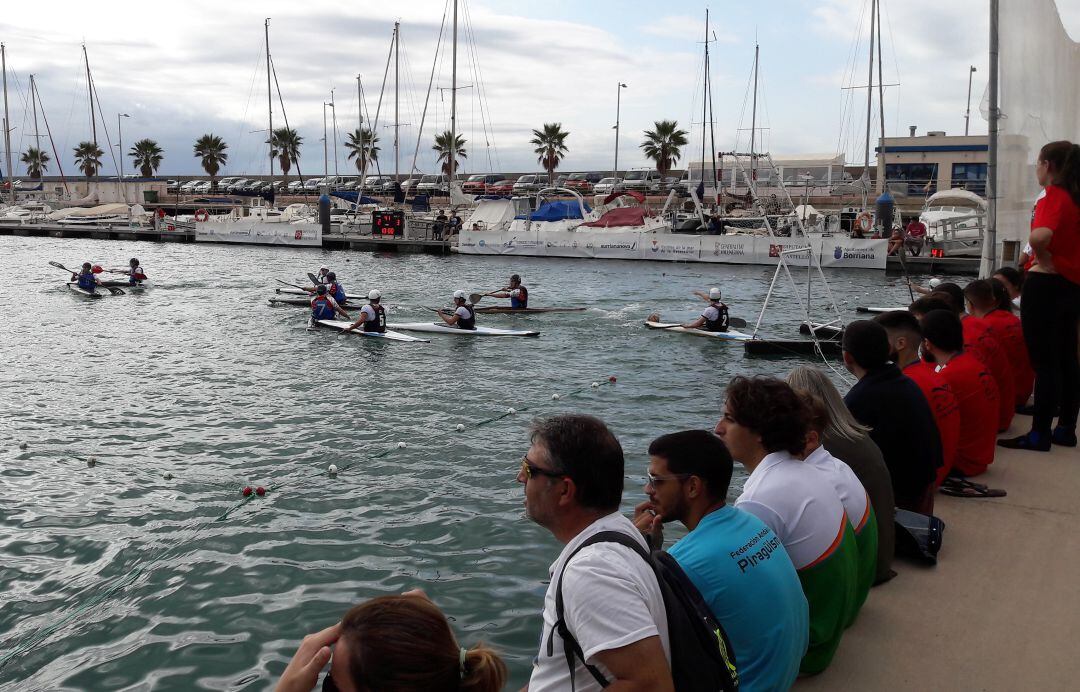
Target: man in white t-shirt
x: 463, y: 316
x: 612, y: 604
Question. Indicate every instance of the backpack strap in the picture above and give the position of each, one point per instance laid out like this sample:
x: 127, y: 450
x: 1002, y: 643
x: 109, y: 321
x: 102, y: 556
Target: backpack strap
x: 570, y: 643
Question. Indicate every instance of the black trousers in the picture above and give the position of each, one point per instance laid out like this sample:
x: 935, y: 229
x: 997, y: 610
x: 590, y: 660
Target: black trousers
x: 1050, y: 314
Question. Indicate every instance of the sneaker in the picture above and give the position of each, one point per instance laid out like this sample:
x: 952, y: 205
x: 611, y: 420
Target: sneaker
x: 1033, y: 441
x: 1064, y: 437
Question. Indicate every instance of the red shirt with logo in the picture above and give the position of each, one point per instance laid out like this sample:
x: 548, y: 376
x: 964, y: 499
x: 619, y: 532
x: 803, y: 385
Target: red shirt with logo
x: 981, y: 341
x: 977, y: 396
x: 1057, y: 211
x: 1010, y: 335
x: 946, y: 411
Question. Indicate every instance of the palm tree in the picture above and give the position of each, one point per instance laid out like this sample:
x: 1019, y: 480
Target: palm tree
x: 37, y: 162
x: 211, y: 149
x: 663, y: 145
x: 88, y: 158
x: 285, y: 145
x: 361, y: 146
x: 146, y: 155
x: 550, y: 147
x: 442, y: 145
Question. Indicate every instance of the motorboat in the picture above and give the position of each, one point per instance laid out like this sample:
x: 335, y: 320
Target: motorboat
x: 955, y: 212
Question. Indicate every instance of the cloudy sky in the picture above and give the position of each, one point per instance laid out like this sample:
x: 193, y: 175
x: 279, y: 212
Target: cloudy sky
x: 184, y: 69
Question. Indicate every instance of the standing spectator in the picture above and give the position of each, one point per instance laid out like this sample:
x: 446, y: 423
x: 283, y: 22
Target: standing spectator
x: 736, y: 562
x: 1051, y: 300
x: 847, y: 440
x: 611, y: 602
x: 439, y: 226
x: 897, y: 413
x: 764, y: 425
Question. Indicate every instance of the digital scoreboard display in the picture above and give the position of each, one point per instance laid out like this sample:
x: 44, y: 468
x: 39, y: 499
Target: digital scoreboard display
x: 389, y: 222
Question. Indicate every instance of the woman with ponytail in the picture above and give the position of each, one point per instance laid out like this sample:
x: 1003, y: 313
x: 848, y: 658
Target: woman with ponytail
x: 393, y: 644
x: 1050, y: 303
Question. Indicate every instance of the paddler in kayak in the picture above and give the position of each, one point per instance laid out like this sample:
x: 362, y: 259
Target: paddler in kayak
x: 136, y: 274
x: 715, y: 317
x: 463, y: 317
x: 516, y: 292
x: 86, y: 279
x: 321, y: 275
x: 333, y: 288
x: 324, y: 307
x: 372, y: 316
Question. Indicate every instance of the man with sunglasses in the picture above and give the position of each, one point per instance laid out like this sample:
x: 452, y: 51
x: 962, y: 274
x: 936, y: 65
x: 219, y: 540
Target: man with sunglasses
x: 611, y: 602
x: 735, y: 560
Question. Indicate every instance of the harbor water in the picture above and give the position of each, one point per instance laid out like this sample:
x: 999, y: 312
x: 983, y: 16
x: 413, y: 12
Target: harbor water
x: 149, y: 570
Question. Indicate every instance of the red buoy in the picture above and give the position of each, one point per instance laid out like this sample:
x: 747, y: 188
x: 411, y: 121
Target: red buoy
x: 611, y: 379
x: 246, y: 491
x: 260, y: 491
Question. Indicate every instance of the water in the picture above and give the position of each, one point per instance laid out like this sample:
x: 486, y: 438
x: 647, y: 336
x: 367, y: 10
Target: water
x: 114, y: 577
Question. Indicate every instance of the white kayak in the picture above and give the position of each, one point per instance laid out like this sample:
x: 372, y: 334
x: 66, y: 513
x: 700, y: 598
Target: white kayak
x: 74, y: 288
x: 875, y: 310
x: 293, y: 292
x: 342, y: 325
x: 447, y: 329
x: 729, y: 335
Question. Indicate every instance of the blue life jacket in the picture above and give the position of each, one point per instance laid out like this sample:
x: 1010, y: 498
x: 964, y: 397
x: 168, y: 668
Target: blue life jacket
x: 87, y: 282
x: 469, y: 323
x: 322, y: 308
x: 522, y: 300
x: 379, y: 323
x: 337, y: 291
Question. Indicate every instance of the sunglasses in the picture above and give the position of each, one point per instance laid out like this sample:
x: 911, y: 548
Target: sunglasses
x: 530, y: 469
x: 655, y: 480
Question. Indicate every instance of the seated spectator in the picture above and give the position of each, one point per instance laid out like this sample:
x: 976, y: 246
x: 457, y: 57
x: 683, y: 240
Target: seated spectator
x: 734, y: 560
x: 611, y: 602
x: 1013, y: 282
x: 984, y: 303
x: 847, y: 440
x: 975, y: 390
x: 852, y: 494
x: 905, y: 339
x: 764, y: 426
x: 897, y: 413
x: 402, y: 643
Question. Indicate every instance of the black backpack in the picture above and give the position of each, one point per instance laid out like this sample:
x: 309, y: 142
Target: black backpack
x: 702, y: 659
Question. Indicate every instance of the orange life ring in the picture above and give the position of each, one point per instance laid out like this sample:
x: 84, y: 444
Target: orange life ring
x: 864, y: 221
x: 201, y: 215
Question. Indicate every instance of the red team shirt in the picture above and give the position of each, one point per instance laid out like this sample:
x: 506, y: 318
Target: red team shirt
x: 977, y: 396
x: 1011, y: 336
x: 1057, y: 211
x: 945, y: 408
x: 981, y: 342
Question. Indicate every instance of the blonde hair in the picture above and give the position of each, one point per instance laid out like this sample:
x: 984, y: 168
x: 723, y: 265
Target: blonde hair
x: 841, y: 423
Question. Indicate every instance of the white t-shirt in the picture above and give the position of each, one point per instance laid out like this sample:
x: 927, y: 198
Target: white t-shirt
x: 463, y: 313
x: 798, y: 503
x: 610, y: 600
x: 846, y: 484
x: 369, y: 313
x: 711, y: 313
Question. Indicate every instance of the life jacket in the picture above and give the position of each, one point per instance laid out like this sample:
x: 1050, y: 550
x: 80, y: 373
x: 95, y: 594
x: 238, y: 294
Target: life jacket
x: 379, y: 323
x: 337, y: 291
x: 469, y: 323
x: 522, y: 299
x: 322, y: 308
x: 136, y: 276
x: 720, y: 324
x: 87, y: 282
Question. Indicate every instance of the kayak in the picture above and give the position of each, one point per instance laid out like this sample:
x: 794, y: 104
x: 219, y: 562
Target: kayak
x: 824, y: 331
x: 505, y: 310
x: 729, y: 335
x: 293, y: 292
x: 447, y: 329
x: 124, y: 284
x: 303, y: 302
x: 74, y: 288
x: 872, y: 309
x: 342, y: 325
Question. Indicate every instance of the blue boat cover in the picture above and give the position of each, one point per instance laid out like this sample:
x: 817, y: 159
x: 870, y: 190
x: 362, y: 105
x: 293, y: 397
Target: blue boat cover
x: 556, y: 210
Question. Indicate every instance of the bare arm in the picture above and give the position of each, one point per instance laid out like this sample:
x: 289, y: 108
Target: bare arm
x: 638, y: 667
x: 696, y: 324
x: 449, y: 319
x: 1040, y: 245
x: 702, y: 295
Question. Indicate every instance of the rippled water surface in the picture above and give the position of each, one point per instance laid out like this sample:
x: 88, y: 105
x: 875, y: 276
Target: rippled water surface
x: 121, y: 577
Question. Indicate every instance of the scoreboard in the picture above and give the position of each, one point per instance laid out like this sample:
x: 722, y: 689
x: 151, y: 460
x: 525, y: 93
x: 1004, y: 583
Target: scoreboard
x: 389, y: 222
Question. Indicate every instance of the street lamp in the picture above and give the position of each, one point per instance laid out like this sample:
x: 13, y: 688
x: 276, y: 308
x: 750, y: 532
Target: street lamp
x: 967, y: 114
x: 120, y: 133
x: 618, y: 103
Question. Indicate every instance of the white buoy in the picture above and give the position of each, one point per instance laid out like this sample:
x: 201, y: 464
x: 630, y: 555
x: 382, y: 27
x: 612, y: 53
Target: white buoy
x: 333, y: 470
x: 595, y: 385
x: 167, y: 476
x: 511, y: 410
x: 401, y: 445
x: 460, y: 427
x: 554, y: 397
x: 23, y: 445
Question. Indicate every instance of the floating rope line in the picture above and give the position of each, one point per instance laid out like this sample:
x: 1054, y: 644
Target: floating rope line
x: 17, y: 650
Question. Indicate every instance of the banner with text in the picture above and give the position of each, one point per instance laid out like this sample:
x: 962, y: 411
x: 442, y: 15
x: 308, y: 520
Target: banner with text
x: 259, y: 233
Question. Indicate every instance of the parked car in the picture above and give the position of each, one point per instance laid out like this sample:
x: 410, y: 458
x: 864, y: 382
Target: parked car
x: 201, y: 188
x: 583, y: 182
x: 478, y: 184
x: 296, y: 187
x: 235, y: 187
x: 433, y: 185
x: 312, y: 185
x: 669, y: 183
x: 608, y: 185
x: 186, y: 187
x: 560, y: 180
x: 223, y: 184
x: 377, y: 183
x: 172, y: 187
x: 502, y: 187
x: 642, y: 180
x: 530, y: 184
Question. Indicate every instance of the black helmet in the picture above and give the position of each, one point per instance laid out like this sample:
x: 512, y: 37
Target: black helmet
x: 85, y: 265
x: 134, y: 261
x: 332, y: 276
x: 321, y: 289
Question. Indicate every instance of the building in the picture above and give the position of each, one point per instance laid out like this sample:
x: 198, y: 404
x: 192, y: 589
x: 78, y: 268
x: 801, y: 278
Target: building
x: 920, y: 165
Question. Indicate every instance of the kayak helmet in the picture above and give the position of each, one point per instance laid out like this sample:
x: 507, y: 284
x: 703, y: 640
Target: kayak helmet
x: 714, y: 294
x: 515, y: 279
x: 374, y: 295
x: 134, y: 261
x: 460, y: 294
x: 97, y: 269
x: 321, y: 289
x: 324, y: 268
x: 331, y: 276
x: 934, y: 283
x: 85, y: 265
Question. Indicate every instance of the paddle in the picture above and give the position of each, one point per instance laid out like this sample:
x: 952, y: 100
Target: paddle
x: 114, y: 291
x: 289, y: 284
x: 475, y: 298
x: 736, y: 322
x: 314, y: 279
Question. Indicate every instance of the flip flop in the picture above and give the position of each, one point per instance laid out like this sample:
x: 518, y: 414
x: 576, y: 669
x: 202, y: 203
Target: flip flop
x: 972, y: 492
x: 956, y: 482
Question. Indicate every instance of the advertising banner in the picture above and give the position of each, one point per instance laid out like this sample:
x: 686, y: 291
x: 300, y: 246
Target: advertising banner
x: 852, y: 252
x: 673, y: 247
x: 728, y: 249
x: 614, y: 245
x: 259, y: 233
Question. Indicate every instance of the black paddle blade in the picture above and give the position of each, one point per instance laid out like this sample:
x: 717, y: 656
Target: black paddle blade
x: 736, y: 322
x: 115, y: 291
x: 314, y: 279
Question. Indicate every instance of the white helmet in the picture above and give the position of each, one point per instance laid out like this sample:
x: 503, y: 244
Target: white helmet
x: 934, y: 283
x: 714, y: 294
x: 460, y: 294
x: 324, y: 268
x: 374, y: 295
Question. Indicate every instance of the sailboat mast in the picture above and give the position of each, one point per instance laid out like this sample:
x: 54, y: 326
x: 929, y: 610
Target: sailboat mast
x: 753, y: 121
x: 704, y: 102
x: 7, y: 130
x: 712, y: 122
x: 870, y: 88
x: 881, y: 96
x: 453, y: 106
x: 363, y: 150
x: 397, y: 45
x: 269, y: 102
x: 90, y: 93
x: 33, y: 104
